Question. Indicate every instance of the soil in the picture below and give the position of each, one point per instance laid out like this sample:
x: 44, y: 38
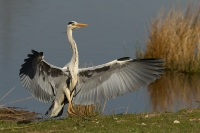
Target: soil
x: 11, y: 114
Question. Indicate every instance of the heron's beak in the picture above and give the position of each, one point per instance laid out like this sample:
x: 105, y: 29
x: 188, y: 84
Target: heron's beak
x: 81, y: 25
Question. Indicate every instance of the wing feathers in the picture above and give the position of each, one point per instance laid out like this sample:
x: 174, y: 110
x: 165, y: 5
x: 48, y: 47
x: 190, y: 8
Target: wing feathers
x: 116, y: 78
x: 37, y: 76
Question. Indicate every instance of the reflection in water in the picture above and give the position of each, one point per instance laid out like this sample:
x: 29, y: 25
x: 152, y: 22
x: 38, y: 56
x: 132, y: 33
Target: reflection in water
x: 174, y: 91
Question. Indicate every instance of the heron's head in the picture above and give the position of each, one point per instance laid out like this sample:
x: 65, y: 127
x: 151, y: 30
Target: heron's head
x: 73, y: 25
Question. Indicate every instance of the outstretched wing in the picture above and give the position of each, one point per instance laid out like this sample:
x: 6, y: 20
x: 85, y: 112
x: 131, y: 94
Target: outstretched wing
x: 115, y: 78
x: 39, y: 77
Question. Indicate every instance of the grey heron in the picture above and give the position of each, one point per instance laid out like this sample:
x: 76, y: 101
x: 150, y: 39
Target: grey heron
x: 84, y: 86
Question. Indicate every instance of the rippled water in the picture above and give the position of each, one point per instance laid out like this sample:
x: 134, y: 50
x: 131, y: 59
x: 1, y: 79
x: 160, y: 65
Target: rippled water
x: 115, y: 29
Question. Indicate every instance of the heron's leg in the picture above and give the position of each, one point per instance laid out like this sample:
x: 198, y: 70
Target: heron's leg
x: 70, y: 109
x: 79, y: 112
x: 71, y: 97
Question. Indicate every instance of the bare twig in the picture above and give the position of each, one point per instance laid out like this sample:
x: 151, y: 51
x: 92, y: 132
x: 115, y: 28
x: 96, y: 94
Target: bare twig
x: 117, y: 108
x: 104, y: 105
x: 16, y: 101
x: 127, y: 108
x: 7, y: 93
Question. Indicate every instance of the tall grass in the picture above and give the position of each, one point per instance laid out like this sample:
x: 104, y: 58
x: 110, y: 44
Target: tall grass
x: 175, y: 35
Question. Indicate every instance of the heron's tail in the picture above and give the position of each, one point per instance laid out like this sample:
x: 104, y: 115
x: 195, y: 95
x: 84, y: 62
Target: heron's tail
x: 55, y: 110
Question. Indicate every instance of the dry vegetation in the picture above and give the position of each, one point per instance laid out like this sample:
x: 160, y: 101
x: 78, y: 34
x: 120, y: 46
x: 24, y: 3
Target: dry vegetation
x: 176, y: 37
x: 88, y: 110
x: 17, y: 115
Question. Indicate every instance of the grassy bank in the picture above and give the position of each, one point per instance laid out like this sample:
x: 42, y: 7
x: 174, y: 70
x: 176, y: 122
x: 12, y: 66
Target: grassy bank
x: 186, y: 120
x: 175, y: 35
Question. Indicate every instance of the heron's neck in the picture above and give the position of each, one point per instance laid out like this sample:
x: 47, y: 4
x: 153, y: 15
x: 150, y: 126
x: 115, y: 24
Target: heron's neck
x: 74, y: 60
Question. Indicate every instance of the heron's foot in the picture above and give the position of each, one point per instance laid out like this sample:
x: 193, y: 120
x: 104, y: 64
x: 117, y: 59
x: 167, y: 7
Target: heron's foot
x: 80, y: 112
x: 71, y: 112
x: 72, y: 109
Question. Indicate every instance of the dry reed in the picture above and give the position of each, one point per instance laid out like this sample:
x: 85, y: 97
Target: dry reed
x: 176, y: 37
x: 88, y: 110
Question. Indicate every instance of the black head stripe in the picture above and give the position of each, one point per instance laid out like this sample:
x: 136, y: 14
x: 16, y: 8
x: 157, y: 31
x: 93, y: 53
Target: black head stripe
x: 70, y: 22
x: 123, y: 59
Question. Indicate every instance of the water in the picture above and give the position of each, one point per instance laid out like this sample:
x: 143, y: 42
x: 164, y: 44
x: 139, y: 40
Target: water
x: 115, y: 28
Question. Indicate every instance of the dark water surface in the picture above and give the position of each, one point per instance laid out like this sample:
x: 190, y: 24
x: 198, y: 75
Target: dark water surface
x: 115, y: 28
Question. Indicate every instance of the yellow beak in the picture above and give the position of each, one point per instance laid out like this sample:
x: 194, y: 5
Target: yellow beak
x: 81, y: 25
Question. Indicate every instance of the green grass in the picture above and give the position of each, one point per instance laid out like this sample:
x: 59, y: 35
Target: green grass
x: 147, y: 122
